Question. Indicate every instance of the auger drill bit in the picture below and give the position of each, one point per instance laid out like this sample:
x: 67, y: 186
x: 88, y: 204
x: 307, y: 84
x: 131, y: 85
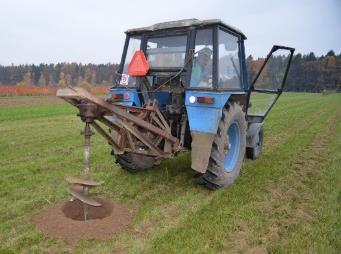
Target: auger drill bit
x: 87, y: 135
x: 79, y: 188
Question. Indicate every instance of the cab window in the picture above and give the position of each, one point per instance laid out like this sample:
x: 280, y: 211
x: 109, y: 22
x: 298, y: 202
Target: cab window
x: 167, y: 52
x: 133, y: 46
x: 228, y: 61
x: 201, y: 75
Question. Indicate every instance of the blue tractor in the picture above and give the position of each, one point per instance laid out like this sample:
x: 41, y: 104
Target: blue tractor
x: 183, y: 85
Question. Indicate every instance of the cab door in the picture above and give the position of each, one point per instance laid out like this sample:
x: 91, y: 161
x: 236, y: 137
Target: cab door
x: 268, y: 83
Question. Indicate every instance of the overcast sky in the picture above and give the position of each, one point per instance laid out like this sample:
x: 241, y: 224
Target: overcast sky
x: 92, y: 31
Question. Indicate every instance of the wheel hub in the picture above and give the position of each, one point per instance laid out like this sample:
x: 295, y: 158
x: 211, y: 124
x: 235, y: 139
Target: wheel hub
x: 232, y: 147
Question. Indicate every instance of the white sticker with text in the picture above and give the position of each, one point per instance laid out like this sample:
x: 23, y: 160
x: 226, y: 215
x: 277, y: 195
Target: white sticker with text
x: 124, y: 79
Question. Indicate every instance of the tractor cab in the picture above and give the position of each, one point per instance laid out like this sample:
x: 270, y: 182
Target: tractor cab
x: 190, y: 54
x: 202, y: 55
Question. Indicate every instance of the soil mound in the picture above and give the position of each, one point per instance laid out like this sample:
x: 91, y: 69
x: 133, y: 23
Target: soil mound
x: 74, y: 210
x: 65, y: 220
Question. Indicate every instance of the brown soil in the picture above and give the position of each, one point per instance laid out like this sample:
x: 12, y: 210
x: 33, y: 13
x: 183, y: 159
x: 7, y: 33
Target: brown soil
x: 74, y: 210
x: 64, y: 220
x: 26, y: 100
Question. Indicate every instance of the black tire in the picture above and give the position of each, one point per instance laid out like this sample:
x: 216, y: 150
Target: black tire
x: 220, y: 173
x: 253, y: 153
x: 135, y: 163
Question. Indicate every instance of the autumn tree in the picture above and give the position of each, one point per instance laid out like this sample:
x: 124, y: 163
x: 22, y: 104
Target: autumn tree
x: 42, y: 80
x: 62, y: 80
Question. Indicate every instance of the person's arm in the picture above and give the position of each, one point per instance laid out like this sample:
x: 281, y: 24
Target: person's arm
x: 195, y: 75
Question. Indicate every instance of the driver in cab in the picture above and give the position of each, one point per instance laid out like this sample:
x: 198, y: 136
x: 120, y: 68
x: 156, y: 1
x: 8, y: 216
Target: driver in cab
x: 201, y: 69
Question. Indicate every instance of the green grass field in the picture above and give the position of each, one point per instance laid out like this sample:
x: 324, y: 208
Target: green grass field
x: 288, y: 201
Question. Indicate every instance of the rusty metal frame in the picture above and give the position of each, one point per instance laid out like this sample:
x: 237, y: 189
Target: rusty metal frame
x: 131, y: 125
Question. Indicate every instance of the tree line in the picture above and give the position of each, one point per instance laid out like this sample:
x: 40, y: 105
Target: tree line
x: 61, y: 74
x: 308, y: 73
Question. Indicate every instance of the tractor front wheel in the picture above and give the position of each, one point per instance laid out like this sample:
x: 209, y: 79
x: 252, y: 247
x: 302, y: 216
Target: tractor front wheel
x: 228, y: 149
x: 135, y: 163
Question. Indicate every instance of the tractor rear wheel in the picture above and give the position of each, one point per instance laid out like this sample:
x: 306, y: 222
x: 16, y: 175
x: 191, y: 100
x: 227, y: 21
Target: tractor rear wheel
x: 135, y: 163
x: 228, y: 149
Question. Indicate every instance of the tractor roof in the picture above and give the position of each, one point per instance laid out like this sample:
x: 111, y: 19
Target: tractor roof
x: 184, y: 23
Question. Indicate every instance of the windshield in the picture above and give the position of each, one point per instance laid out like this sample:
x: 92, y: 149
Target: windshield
x: 167, y: 52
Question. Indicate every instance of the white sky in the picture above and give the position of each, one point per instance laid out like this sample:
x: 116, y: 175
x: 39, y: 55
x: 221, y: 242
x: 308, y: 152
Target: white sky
x: 92, y: 31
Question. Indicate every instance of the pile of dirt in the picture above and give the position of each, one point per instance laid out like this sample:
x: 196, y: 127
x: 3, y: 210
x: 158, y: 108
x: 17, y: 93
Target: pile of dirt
x: 74, y: 210
x: 65, y: 220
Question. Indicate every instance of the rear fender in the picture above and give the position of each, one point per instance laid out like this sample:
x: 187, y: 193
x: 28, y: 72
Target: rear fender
x: 203, y: 121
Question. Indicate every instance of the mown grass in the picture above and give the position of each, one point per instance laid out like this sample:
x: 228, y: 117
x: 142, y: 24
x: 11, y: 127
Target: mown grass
x: 23, y: 112
x: 287, y: 201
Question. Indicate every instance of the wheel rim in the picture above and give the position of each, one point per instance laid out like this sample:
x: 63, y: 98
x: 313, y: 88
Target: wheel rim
x: 231, y: 158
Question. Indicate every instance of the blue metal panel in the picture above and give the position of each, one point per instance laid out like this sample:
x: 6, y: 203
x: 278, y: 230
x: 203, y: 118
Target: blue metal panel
x: 204, y: 117
x: 163, y: 98
x: 133, y: 98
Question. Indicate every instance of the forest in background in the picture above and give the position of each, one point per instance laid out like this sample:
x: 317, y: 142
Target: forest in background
x: 58, y: 75
x: 308, y: 73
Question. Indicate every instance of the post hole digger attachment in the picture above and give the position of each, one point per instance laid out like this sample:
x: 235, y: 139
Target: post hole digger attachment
x: 79, y: 187
x: 183, y: 85
x: 135, y: 130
